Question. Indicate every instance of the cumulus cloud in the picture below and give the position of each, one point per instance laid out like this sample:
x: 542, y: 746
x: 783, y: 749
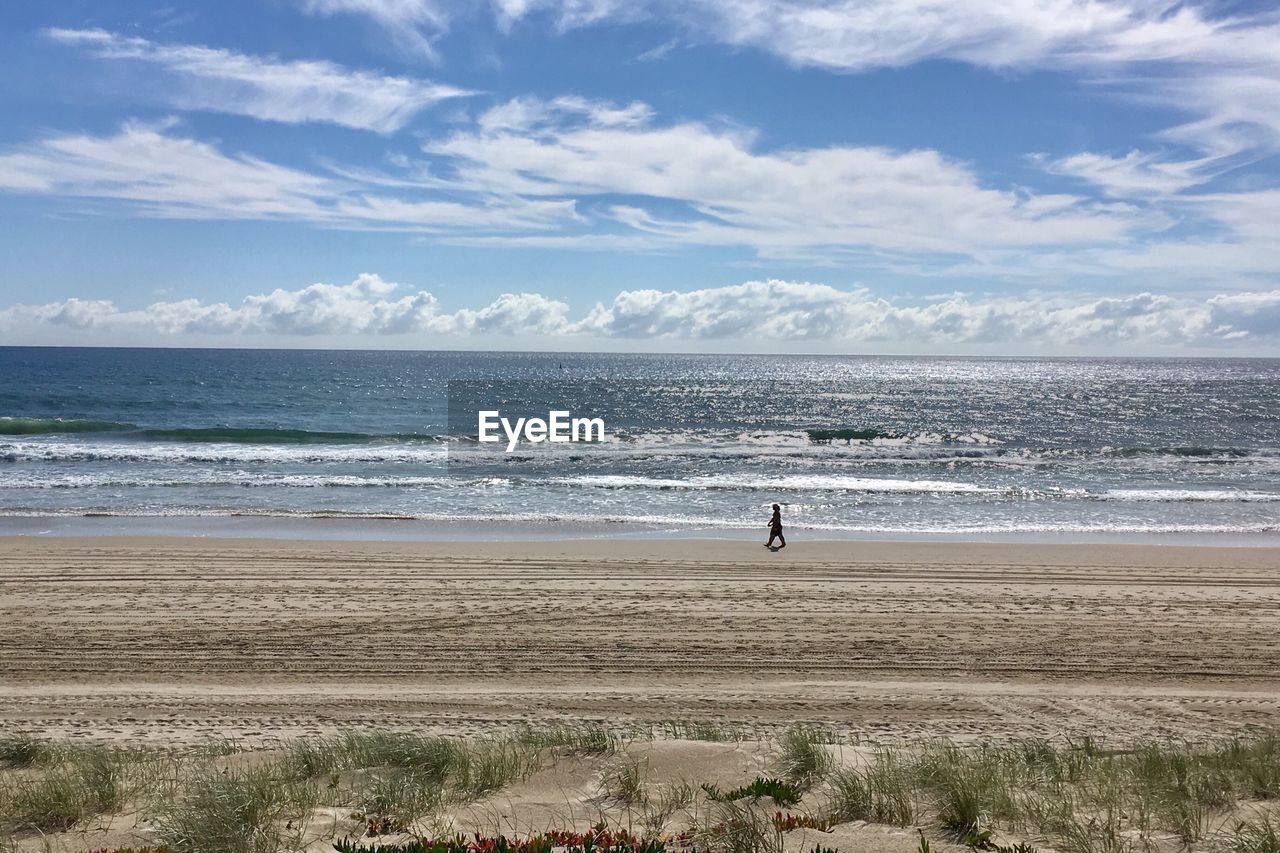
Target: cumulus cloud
x: 751, y: 312
x: 207, y: 78
x: 366, y: 306
x: 783, y: 310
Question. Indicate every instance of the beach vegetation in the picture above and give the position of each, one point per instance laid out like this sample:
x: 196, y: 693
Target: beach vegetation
x: 468, y: 769
x: 658, y: 809
x: 622, y: 781
x: 735, y: 827
x: 881, y: 792
x: 586, y: 739
x: 391, y: 800
x: 484, y: 766
x: 713, y: 731
x: 598, y: 839
x: 85, y: 782
x: 803, y: 756
x: 782, y: 793
x: 235, y: 811
x: 19, y: 749
x: 1077, y: 796
x: 1256, y: 836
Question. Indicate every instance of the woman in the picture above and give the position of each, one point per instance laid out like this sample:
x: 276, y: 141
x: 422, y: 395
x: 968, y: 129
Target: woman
x: 775, y: 529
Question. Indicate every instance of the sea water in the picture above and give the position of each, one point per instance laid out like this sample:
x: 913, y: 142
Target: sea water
x: 850, y: 446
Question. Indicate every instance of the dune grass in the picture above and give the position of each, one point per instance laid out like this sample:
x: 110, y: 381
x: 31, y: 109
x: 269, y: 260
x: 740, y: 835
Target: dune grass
x: 428, y: 755
x: 882, y: 792
x: 622, y: 781
x: 399, y: 796
x: 712, y: 731
x: 463, y: 770
x: 19, y: 749
x: 586, y: 739
x: 733, y: 827
x: 660, y: 807
x: 1080, y: 797
x: 74, y: 784
x: 241, y: 811
x: 803, y: 757
x: 1257, y: 836
x: 1075, y: 797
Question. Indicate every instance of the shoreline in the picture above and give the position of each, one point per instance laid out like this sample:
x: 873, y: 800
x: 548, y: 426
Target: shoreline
x: 338, y: 528
x: 695, y: 549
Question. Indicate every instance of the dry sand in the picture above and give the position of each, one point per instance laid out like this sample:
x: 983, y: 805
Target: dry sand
x: 167, y: 640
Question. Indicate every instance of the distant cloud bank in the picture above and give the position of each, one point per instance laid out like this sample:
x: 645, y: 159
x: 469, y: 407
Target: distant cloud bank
x: 780, y: 311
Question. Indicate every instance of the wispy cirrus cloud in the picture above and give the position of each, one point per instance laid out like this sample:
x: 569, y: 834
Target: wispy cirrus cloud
x: 1136, y: 174
x: 532, y: 166
x: 413, y: 25
x: 207, y: 78
x: 691, y: 183
x: 855, y: 35
x: 159, y: 174
x: 576, y: 174
x: 1219, y: 67
x: 781, y: 311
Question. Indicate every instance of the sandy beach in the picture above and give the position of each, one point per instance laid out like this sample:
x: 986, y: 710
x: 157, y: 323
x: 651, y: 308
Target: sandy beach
x: 174, y: 640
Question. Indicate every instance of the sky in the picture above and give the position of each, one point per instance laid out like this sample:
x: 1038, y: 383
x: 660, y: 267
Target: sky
x: 865, y: 176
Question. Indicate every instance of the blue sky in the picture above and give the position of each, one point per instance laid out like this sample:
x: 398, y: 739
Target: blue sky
x: 874, y: 176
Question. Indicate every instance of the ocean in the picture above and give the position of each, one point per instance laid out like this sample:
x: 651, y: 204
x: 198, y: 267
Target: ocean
x: 147, y: 440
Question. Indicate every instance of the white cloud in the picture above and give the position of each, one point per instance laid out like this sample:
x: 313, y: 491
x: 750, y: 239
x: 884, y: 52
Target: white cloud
x: 1135, y: 174
x: 752, y: 312
x: 515, y: 314
x: 412, y: 24
x: 207, y: 78
x: 1220, y: 68
x: 164, y: 175
x: 783, y: 310
x: 691, y: 183
x: 1223, y: 70
x: 576, y: 174
x: 529, y: 166
x: 167, y: 176
x: 366, y: 306
x: 852, y: 35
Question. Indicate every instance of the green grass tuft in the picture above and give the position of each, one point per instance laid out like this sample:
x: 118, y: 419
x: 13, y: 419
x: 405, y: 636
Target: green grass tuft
x: 1259, y: 836
x: 803, y: 758
x: 87, y: 782
x: 23, y: 750
x: 622, y: 781
x: 245, y: 811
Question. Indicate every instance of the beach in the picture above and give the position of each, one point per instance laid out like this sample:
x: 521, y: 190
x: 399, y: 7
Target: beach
x: 166, y: 641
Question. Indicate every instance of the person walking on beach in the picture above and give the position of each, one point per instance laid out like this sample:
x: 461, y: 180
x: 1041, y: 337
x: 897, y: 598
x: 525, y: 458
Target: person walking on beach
x: 775, y: 530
